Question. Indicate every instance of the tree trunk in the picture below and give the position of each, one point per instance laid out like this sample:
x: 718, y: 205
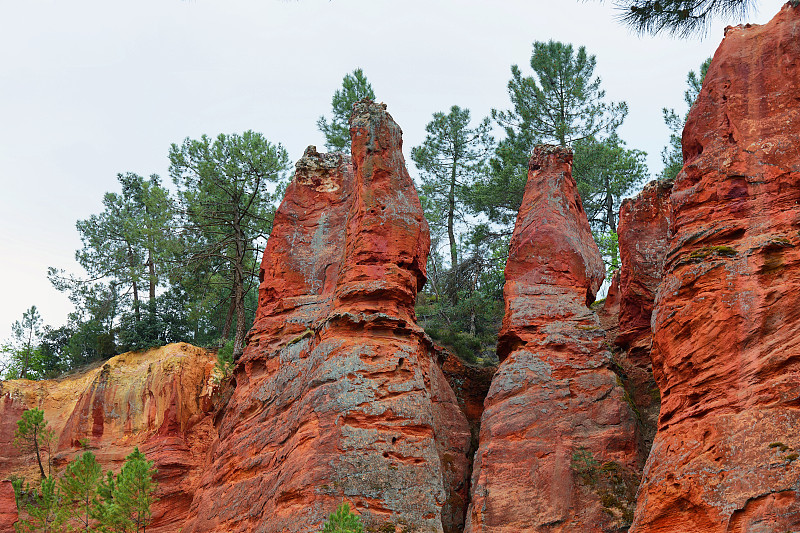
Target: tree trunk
x: 610, y: 218
x: 151, y: 302
x: 152, y: 271
x: 26, y: 361
x: 226, y: 327
x: 451, y: 208
x: 136, y: 312
x: 238, y: 288
x: 472, y: 306
x: 38, y: 456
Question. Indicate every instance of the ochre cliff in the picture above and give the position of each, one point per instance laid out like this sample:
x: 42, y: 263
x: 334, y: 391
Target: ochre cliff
x: 338, y: 396
x: 556, y: 450
x: 726, y: 346
x: 158, y: 400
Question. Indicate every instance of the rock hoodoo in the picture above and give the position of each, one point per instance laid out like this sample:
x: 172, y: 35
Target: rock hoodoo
x: 159, y: 400
x: 726, y: 347
x: 339, y: 397
x: 556, y: 433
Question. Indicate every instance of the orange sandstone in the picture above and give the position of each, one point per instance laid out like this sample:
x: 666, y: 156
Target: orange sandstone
x: 556, y: 447
x: 158, y: 400
x: 338, y: 396
x: 726, y: 346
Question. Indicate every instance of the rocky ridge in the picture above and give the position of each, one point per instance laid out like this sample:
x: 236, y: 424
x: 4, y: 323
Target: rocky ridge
x: 341, y: 397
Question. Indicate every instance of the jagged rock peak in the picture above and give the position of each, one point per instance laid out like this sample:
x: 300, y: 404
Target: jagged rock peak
x: 553, y: 404
x: 321, y: 171
x: 339, y: 397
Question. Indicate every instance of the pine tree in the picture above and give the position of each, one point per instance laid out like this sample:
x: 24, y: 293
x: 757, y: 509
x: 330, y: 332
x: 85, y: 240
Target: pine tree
x: 672, y: 154
x: 606, y: 171
x: 343, y: 521
x: 33, y: 435
x: 26, y: 333
x: 79, y: 487
x: 452, y: 156
x: 44, y: 510
x: 337, y: 132
x: 228, y: 188
x: 127, y: 497
x: 562, y: 103
x: 680, y: 17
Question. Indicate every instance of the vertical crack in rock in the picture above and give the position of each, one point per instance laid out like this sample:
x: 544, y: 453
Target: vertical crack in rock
x: 339, y: 396
x: 726, y: 345
x: 556, y: 450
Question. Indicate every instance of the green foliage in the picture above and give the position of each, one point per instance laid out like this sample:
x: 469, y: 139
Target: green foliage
x: 680, y: 17
x: 606, y: 172
x: 79, y: 488
x: 122, y: 243
x: 614, y: 484
x: 22, y: 353
x: 450, y: 159
x: 45, y: 513
x: 337, y: 132
x: 462, y: 308
x: 228, y: 187
x: 125, y: 499
x: 84, y: 500
x: 672, y: 154
x: 20, y: 489
x: 608, y: 242
x: 224, y: 365
x: 33, y: 436
x: 343, y: 521
x: 562, y: 103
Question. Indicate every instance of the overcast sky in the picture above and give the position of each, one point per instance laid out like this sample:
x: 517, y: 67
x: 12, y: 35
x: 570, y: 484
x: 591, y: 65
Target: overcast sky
x: 89, y: 89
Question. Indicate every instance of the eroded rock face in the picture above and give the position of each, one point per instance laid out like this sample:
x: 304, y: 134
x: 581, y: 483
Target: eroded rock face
x: 8, y: 506
x: 726, y: 347
x: 643, y: 233
x: 470, y: 383
x: 158, y: 400
x: 555, y: 421
x: 339, y: 397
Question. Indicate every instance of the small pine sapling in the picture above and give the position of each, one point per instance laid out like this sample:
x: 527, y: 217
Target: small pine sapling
x: 33, y: 435
x: 343, y: 521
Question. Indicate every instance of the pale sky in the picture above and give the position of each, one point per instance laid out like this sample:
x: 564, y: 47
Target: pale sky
x: 89, y: 89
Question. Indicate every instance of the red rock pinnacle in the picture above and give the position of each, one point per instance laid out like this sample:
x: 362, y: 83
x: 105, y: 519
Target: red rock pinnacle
x: 339, y: 397
x: 555, y: 416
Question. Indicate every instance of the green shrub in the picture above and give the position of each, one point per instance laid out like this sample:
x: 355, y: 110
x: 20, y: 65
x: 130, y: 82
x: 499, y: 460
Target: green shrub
x: 224, y: 366
x: 343, y: 521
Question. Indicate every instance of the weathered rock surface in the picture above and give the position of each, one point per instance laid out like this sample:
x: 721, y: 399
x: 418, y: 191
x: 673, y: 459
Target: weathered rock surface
x: 556, y: 433
x: 158, y: 400
x: 339, y: 397
x: 726, y: 347
x: 470, y: 383
x: 643, y: 233
x: 8, y: 506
